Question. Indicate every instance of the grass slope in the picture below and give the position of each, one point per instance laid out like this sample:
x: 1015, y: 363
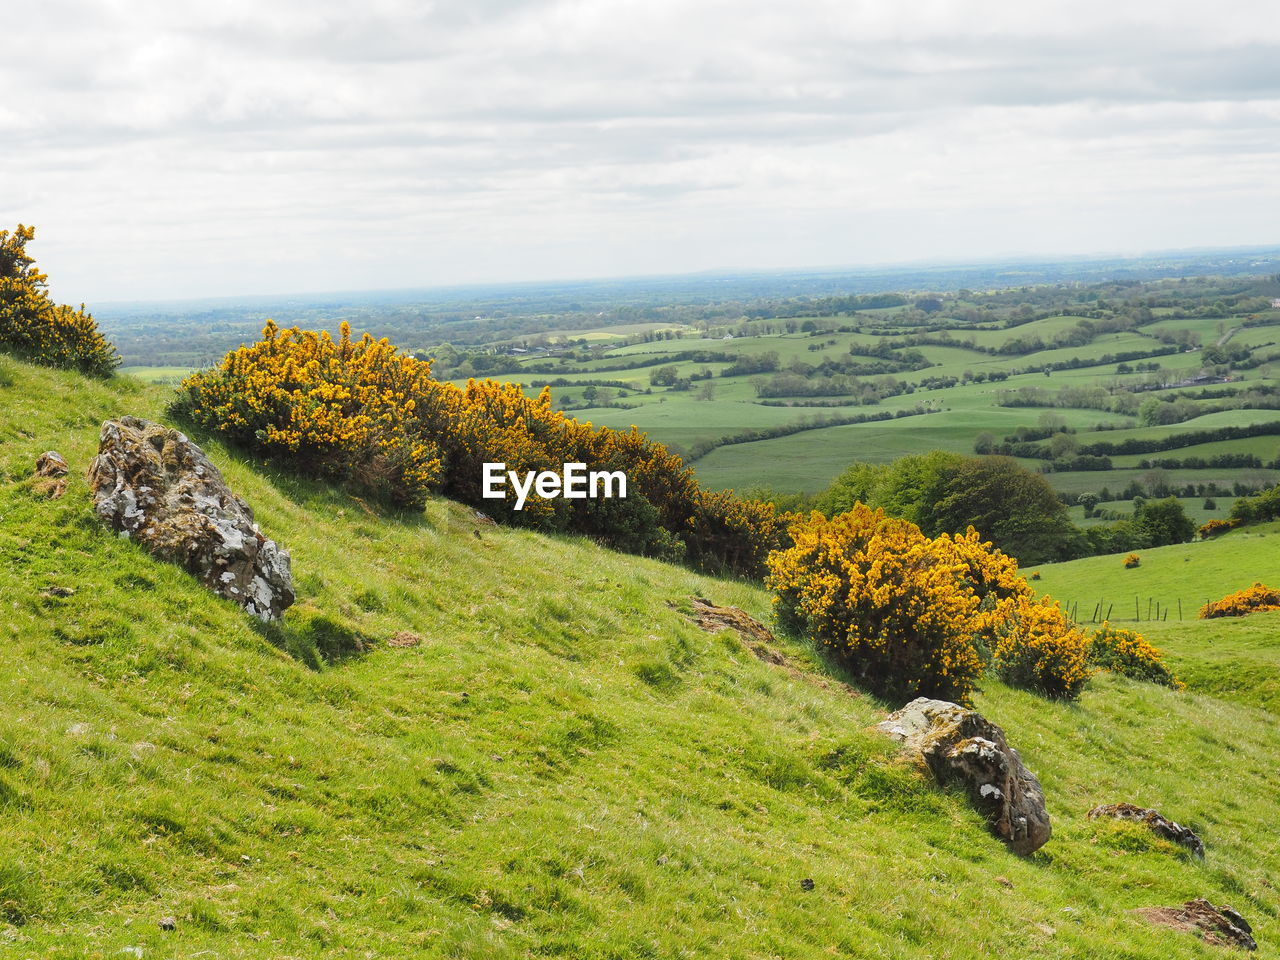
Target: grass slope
x: 564, y: 767
x: 1191, y: 573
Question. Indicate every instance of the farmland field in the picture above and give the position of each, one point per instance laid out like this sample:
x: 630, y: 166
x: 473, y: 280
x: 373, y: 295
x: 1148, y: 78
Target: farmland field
x: 1170, y: 386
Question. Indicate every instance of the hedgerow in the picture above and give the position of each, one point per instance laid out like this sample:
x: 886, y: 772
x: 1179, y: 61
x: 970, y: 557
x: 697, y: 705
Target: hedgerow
x: 36, y: 328
x: 362, y: 412
x: 915, y: 616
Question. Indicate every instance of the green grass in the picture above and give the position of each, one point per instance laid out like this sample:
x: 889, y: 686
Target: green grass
x: 564, y: 767
x: 1192, y: 573
x: 165, y: 375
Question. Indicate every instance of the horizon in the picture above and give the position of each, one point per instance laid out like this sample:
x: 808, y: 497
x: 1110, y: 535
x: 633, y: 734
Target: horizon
x: 833, y: 271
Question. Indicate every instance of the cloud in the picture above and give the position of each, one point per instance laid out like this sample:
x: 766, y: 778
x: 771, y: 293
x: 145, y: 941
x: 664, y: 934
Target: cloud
x: 175, y: 149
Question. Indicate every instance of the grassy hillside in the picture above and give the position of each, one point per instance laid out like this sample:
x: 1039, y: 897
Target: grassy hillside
x: 565, y: 766
x: 1188, y: 573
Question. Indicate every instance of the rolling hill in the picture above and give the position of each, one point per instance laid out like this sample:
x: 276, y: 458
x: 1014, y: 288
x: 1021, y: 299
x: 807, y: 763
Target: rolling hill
x: 559, y: 763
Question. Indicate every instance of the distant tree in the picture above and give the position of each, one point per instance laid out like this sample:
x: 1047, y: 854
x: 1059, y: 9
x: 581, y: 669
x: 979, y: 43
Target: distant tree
x: 984, y: 443
x: 1013, y: 507
x: 1051, y: 422
x: 1089, y: 501
x: 664, y: 376
x: 1165, y: 522
x: 1210, y: 503
x: 1063, y: 445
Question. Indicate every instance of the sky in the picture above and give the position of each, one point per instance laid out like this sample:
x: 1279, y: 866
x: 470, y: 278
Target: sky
x: 174, y: 149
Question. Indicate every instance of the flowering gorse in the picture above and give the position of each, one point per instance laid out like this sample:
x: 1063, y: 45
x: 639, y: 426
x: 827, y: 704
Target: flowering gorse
x: 35, y: 327
x: 913, y: 615
x: 362, y: 412
x: 1216, y: 528
x: 1040, y: 649
x: 1243, y: 602
x: 338, y: 409
x: 1129, y: 654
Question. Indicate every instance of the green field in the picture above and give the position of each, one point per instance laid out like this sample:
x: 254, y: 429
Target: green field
x: 165, y: 375
x: 565, y: 766
x: 1190, y: 574
x: 704, y: 412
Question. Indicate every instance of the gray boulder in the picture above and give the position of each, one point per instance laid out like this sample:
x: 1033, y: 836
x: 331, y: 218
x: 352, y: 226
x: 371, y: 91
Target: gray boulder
x: 155, y: 486
x: 960, y: 746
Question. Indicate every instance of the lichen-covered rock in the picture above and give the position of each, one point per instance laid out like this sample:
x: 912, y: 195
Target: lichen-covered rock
x: 960, y: 746
x: 52, y: 470
x: 1220, y: 926
x: 1159, y: 825
x: 152, y: 484
x: 51, y: 464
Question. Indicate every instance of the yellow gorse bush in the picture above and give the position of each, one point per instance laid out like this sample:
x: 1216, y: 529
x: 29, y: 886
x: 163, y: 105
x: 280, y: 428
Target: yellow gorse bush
x: 35, y: 327
x: 363, y: 412
x: 1128, y: 653
x: 1040, y: 649
x: 913, y: 615
x: 1253, y: 599
x: 1215, y: 528
x: 334, y: 408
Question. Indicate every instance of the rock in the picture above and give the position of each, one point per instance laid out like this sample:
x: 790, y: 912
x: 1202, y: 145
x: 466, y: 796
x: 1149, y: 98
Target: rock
x: 806, y: 884
x: 1159, y: 825
x: 155, y: 486
x: 1220, y: 926
x: 960, y: 746
x: 711, y: 618
x: 755, y: 635
x: 52, y: 471
x: 404, y: 638
x: 51, y: 464
x: 168, y: 923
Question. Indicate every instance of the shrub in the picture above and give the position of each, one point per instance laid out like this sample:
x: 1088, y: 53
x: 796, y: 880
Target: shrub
x: 883, y: 598
x: 1216, y: 528
x: 1265, y: 506
x: 1130, y: 655
x: 1131, y: 561
x: 993, y: 578
x: 362, y: 413
x: 732, y: 534
x: 1040, y: 649
x: 1254, y: 599
x: 344, y: 410
x: 918, y: 616
x: 34, y: 327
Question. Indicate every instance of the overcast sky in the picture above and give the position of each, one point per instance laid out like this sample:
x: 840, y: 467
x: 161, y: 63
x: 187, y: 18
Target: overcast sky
x: 168, y: 149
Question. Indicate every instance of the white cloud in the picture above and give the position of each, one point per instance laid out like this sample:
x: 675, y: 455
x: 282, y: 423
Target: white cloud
x: 170, y: 149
